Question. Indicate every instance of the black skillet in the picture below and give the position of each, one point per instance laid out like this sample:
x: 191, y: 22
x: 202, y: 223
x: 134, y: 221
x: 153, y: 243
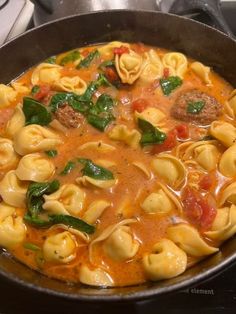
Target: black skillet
x: 154, y: 28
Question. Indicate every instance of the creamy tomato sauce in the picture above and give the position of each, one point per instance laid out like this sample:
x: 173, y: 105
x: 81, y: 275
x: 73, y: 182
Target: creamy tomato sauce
x: 200, y: 185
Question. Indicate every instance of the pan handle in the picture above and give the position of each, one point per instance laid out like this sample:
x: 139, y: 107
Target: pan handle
x: 210, y: 7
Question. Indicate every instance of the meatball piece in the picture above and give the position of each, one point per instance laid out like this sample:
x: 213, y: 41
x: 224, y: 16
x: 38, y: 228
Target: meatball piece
x: 68, y: 116
x: 210, y: 111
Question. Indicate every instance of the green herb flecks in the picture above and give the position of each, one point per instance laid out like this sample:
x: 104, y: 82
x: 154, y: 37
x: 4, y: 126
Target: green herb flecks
x: 150, y: 134
x: 35, y: 89
x: 51, y: 60
x: 68, y: 168
x: 95, y: 171
x: 35, y: 112
x: 31, y: 246
x: 195, y: 107
x: 85, y: 63
x: 51, y: 153
x: 70, y: 57
x: 168, y: 85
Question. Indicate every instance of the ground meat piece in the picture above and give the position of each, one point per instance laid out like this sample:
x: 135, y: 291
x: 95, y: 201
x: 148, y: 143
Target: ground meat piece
x: 68, y: 117
x: 210, y: 112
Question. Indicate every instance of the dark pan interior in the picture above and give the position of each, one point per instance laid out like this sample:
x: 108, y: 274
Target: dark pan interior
x: 154, y: 28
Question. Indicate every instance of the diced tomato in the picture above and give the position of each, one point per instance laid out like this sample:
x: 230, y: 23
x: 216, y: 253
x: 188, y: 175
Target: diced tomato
x: 206, y: 182
x: 199, y: 210
x: 42, y: 93
x: 182, y: 131
x: 166, y: 72
x: 140, y: 104
x: 169, y: 143
x: 120, y: 50
x: 111, y: 74
x: 85, y: 53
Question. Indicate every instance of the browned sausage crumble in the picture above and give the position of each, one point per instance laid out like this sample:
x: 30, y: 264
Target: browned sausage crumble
x: 68, y: 117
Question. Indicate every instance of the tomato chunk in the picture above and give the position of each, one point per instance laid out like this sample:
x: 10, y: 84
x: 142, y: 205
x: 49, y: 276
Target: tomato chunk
x: 120, y: 50
x: 140, y: 105
x: 42, y: 93
x: 169, y: 143
x: 182, y: 131
x: 206, y: 182
x: 166, y: 72
x: 199, y: 210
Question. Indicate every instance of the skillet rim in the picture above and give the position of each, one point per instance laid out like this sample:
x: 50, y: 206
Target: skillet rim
x: 138, y: 295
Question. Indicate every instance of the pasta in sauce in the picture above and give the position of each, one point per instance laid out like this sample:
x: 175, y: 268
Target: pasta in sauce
x: 117, y: 164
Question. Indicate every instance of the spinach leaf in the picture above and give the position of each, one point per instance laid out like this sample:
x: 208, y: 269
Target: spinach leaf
x: 35, y: 112
x: 99, y: 122
x: 51, y: 153
x: 73, y: 222
x: 94, y: 171
x: 34, y: 195
x: 70, y: 57
x: 93, y: 86
x: 100, y: 114
x: 35, y: 89
x: 31, y: 246
x: 169, y: 84
x: 150, y: 135
x: 67, y: 220
x: 85, y: 63
x: 51, y: 60
x: 60, y: 99
x: 68, y: 168
x: 195, y: 107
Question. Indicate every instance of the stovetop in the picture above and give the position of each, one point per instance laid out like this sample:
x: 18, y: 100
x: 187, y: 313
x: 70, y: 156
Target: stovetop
x: 218, y: 295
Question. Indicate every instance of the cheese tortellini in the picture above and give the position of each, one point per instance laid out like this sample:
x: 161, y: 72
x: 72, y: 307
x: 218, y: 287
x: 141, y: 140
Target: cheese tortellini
x: 160, y: 202
x: 176, y: 63
x: 123, y: 134
x: 71, y: 84
x: 205, y: 153
x: 231, y: 104
x: 227, y: 165
x: 35, y: 138
x: 170, y: 169
x: 60, y: 248
x: 228, y: 194
x: 98, y: 146
x: 12, y: 190
x: 16, y: 122
x: 34, y: 167
x: 189, y: 240
x: 12, y: 228
x: 68, y: 200
x: 224, y: 132
x: 201, y: 71
x: 120, y: 245
x: 107, y: 50
x: 7, y: 95
x: 95, y: 277
x: 8, y: 157
x: 224, y: 224
x: 91, y: 182
x: 95, y: 210
x: 129, y: 66
x: 152, y: 67
x: 152, y: 115
x: 165, y: 261
x: 46, y: 73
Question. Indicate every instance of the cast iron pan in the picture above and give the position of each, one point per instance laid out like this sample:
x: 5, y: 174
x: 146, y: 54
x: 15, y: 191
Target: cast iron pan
x: 154, y: 28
